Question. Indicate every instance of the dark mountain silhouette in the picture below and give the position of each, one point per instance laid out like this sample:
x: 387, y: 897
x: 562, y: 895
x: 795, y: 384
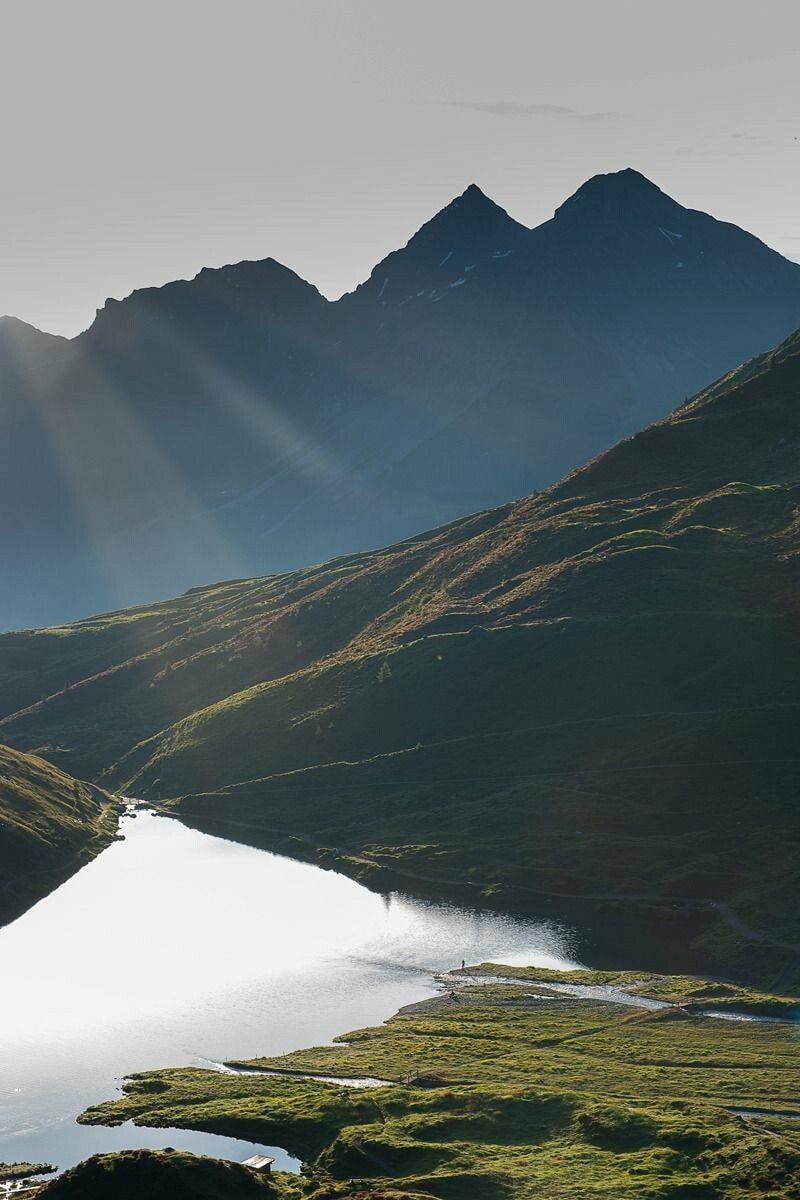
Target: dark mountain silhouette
x: 590, y: 692
x: 239, y: 422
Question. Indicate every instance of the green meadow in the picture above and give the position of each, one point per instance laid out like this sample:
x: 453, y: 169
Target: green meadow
x: 501, y: 1091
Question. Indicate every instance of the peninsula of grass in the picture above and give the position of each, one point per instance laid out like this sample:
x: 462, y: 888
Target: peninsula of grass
x: 503, y: 1095
x: 15, y: 1172
x: 689, y: 992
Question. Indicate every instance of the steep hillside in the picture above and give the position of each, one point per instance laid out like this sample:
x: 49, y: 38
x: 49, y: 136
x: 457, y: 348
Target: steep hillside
x: 589, y: 693
x: 50, y: 824
x: 238, y: 422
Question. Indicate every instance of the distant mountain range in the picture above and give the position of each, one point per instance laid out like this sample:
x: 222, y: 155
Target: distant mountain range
x: 590, y: 692
x: 239, y: 423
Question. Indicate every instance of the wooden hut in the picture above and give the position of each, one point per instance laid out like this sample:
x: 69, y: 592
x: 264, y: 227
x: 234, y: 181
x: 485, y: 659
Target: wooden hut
x: 259, y: 1162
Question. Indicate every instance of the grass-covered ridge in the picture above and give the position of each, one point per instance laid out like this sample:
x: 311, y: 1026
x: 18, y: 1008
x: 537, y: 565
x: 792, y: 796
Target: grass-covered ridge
x: 570, y: 1099
x: 50, y: 824
x: 159, y: 1175
x: 591, y: 692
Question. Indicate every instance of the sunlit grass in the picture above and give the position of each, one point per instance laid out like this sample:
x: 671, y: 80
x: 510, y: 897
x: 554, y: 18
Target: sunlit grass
x: 568, y: 1099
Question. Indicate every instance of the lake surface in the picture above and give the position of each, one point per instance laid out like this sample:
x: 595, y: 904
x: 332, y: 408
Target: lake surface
x: 177, y: 948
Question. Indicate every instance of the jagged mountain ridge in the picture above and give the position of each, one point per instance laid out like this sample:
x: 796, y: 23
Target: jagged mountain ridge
x: 591, y: 691
x: 239, y: 422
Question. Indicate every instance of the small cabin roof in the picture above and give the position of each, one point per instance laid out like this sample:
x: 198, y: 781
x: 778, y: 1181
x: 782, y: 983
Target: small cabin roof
x: 259, y: 1162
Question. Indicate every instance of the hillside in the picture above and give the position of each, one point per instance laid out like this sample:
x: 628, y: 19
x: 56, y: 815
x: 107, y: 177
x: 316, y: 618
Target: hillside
x: 589, y: 693
x: 238, y: 422
x: 50, y: 824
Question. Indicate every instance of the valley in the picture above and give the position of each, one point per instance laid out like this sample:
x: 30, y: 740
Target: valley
x: 556, y: 738
x: 541, y: 700
x: 400, y: 603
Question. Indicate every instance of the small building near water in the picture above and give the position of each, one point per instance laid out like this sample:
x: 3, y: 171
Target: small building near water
x: 259, y: 1162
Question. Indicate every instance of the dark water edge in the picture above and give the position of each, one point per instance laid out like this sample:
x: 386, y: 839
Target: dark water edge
x: 69, y: 1144
x: 666, y: 937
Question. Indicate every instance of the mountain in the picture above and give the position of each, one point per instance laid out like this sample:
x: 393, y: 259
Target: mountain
x: 591, y: 692
x: 239, y: 423
x: 50, y: 824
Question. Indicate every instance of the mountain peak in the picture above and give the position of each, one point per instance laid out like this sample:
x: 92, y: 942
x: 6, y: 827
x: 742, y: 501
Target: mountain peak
x: 473, y: 208
x: 622, y: 192
x: 626, y: 179
x: 475, y: 196
x: 263, y: 286
x: 468, y: 231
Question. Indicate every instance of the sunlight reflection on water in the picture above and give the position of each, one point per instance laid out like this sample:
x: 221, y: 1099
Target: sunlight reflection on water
x: 174, y: 946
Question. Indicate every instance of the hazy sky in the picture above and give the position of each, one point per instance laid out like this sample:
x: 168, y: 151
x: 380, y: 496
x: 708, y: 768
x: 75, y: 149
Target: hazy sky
x: 142, y: 141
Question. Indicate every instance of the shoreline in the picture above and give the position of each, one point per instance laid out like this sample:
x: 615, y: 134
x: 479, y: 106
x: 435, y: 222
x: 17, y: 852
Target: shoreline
x: 463, y: 1061
x: 646, y: 913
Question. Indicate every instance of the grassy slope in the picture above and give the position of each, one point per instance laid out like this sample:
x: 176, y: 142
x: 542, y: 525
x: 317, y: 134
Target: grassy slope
x: 50, y: 824
x: 572, y: 1100
x: 591, y: 692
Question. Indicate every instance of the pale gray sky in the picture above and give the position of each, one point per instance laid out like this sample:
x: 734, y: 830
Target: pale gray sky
x: 143, y: 140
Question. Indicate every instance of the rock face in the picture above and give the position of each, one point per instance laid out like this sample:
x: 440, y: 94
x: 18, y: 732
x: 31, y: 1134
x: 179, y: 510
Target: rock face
x: 239, y: 423
x: 589, y: 692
